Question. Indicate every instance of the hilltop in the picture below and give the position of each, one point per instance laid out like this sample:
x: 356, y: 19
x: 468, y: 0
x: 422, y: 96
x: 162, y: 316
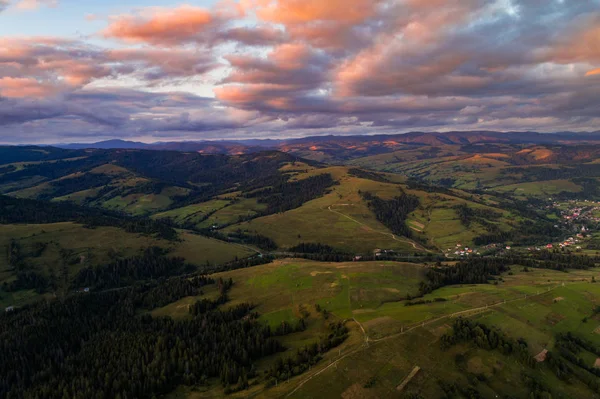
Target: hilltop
x: 433, y: 270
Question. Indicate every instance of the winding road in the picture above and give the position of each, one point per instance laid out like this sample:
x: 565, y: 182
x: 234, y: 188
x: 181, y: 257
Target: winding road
x: 368, y: 340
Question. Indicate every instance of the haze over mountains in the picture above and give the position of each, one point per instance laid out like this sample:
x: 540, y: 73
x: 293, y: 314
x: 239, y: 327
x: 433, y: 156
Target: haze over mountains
x: 381, y: 141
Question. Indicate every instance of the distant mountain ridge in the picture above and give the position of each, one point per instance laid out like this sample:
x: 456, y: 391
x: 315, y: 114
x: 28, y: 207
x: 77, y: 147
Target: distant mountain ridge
x: 422, y: 138
x: 359, y: 144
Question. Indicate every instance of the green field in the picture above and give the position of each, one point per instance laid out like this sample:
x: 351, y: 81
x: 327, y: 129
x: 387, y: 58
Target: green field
x: 101, y: 245
x: 541, y: 188
x: 193, y: 213
x: 401, y: 337
x: 341, y: 218
x: 242, y: 208
x: 144, y: 204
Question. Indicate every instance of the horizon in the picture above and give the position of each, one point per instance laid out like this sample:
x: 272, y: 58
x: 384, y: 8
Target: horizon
x: 205, y: 70
x: 280, y: 139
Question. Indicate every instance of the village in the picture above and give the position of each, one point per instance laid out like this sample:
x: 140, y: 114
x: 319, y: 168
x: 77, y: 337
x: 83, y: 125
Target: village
x: 578, y: 219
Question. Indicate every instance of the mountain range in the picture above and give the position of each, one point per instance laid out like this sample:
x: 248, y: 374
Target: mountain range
x: 369, y: 145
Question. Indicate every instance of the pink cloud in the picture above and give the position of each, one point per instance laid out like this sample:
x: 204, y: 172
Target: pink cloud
x: 161, y: 26
x: 581, y: 43
x: 593, y: 72
x: 70, y: 65
x: 304, y: 11
x: 24, y: 87
x: 34, y: 4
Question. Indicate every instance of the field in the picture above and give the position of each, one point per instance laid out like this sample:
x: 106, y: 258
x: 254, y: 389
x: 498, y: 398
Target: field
x: 144, y: 204
x: 340, y: 219
x: 192, y: 213
x: 394, y: 347
x: 542, y: 188
x: 98, y: 246
x: 242, y: 208
x: 388, y: 338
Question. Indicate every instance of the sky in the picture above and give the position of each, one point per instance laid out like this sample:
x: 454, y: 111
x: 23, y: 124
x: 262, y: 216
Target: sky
x: 85, y: 71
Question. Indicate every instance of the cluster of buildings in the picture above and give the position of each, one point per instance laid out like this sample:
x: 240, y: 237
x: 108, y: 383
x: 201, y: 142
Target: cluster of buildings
x: 569, y: 242
x: 384, y: 252
x: 458, y: 250
x: 579, y: 211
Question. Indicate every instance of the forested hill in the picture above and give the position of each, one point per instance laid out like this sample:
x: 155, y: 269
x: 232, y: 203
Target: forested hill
x: 16, y: 211
x: 266, y: 199
x: 115, y: 177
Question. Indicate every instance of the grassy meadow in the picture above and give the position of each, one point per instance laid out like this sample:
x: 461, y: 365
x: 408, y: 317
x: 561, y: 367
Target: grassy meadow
x: 388, y: 339
x: 90, y: 247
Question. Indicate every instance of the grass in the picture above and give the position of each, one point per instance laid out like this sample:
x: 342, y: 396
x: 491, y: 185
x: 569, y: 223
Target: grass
x: 79, y: 197
x: 340, y: 219
x: 241, y: 208
x: 277, y: 317
x: 372, y: 294
x: 193, y: 213
x: 179, y: 310
x: 98, y: 246
x: 338, y: 287
x: 138, y: 204
x: 540, y: 188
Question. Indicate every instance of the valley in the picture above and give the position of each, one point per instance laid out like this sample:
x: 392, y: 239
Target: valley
x: 388, y: 268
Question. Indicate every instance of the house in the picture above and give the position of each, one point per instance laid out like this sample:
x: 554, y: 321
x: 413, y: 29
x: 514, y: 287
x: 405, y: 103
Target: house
x: 9, y: 309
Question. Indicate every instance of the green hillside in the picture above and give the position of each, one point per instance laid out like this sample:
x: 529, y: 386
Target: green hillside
x: 389, y: 339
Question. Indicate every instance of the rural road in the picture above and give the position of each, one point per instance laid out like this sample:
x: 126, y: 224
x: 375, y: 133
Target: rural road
x: 411, y: 328
x: 407, y: 241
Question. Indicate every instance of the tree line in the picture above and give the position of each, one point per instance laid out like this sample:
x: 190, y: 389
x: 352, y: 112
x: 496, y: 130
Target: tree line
x: 19, y: 210
x: 468, y: 215
x: 468, y: 271
x: 100, y: 345
x: 287, y: 195
x: 307, y: 356
x: 151, y: 264
x: 394, y: 212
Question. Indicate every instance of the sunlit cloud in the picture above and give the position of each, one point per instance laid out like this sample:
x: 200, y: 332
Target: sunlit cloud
x: 259, y: 68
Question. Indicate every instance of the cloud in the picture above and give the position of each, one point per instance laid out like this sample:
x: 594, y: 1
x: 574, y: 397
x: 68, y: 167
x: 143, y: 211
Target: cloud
x: 592, y: 72
x: 23, y: 87
x: 49, y: 65
x: 35, y: 4
x: 162, y: 26
x: 298, y: 67
x: 277, y: 81
x: 166, y: 27
x: 26, y: 5
x: 257, y: 36
x: 304, y: 11
x: 579, y: 43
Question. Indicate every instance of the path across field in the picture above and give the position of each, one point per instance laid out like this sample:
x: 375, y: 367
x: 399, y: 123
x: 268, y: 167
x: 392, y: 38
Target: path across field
x: 368, y: 341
